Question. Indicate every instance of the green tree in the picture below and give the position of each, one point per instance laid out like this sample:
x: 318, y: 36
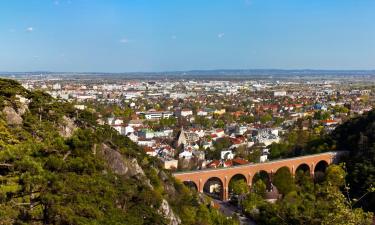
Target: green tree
x: 259, y: 188
x: 283, y: 180
x: 265, y: 118
x: 341, y: 211
x: 335, y: 175
x: 238, y: 186
x: 220, y: 124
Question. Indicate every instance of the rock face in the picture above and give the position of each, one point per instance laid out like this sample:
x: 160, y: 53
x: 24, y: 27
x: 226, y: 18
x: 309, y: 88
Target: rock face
x: 119, y: 165
x: 134, y: 168
x: 130, y: 168
x: 168, y: 213
x: 67, y: 129
x: 24, y: 104
x: 11, y: 116
x: 114, y: 160
x: 22, y: 109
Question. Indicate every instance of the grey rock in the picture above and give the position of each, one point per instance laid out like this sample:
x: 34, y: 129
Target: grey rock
x: 114, y: 160
x: 67, y: 128
x: 168, y: 213
x: 11, y: 116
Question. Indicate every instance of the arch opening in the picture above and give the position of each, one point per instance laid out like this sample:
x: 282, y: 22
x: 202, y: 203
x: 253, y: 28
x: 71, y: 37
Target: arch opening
x: 237, y: 186
x: 191, y: 185
x: 303, y: 168
x: 302, y: 173
x: 283, y: 180
x: 264, y: 177
x: 320, y: 170
x: 213, y: 187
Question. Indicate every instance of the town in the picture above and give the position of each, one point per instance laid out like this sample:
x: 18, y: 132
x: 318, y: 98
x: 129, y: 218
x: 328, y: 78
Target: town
x: 193, y: 124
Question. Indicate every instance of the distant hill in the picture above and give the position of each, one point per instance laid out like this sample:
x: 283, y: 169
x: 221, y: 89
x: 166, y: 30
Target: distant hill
x: 206, y: 74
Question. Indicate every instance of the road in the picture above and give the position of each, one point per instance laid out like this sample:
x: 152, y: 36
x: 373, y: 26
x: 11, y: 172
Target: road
x: 228, y: 210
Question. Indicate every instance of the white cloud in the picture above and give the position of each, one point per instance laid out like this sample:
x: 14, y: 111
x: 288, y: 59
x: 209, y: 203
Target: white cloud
x: 220, y: 35
x: 30, y: 29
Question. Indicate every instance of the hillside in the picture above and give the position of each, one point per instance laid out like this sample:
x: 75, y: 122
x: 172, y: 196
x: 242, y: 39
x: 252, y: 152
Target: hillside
x: 358, y: 137
x: 58, y: 166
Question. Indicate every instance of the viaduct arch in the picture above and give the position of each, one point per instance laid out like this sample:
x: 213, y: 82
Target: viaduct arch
x: 199, y: 178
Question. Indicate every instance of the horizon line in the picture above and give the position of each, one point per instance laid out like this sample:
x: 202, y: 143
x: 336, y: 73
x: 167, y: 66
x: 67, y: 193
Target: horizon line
x: 195, y: 70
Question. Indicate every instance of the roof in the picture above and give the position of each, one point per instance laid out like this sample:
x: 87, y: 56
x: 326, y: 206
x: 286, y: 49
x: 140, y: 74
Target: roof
x: 239, y: 161
x: 329, y: 121
x: 148, y: 149
x: 235, y: 141
x: 228, y: 163
x: 214, y: 163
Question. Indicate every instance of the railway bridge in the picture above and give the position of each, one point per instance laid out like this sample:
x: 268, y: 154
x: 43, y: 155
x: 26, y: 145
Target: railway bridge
x: 204, y: 180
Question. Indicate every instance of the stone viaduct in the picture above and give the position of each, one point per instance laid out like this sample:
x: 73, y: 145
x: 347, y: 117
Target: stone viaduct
x: 311, y: 163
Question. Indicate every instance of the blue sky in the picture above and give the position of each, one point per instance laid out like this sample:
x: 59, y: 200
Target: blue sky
x: 165, y: 35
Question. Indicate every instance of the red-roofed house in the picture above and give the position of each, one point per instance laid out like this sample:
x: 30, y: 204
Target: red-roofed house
x: 213, y: 164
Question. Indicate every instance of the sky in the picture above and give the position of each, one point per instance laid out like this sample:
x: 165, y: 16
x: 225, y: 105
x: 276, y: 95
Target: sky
x: 170, y: 35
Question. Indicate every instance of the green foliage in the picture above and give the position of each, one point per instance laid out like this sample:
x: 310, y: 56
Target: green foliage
x: 220, y: 123
x: 168, y: 122
x: 283, y: 180
x: 335, y: 176
x: 194, y: 212
x: 265, y: 118
x: 10, y: 88
x: 341, y: 212
x: 222, y: 143
x: 279, y: 150
x: 203, y: 121
x: 307, y: 203
x: 319, y: 115
x: 247, y: 119
x: 238, y: 186
x: 48, y: 179
x: 340, y: 109
x: 358, y: 137
x: 259, y: 188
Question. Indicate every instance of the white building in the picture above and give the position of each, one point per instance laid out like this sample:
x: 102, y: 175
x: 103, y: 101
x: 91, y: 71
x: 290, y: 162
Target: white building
x: 263, y: 158
x: 185, y: 154
x: 148, y: 143
x: 56, y: 86
x: 170, y: 163
x: 279, y: 93
x: 226, y: 154
x: 241, y: 130
x: 157, y: 115
x: 133, y: 137
x: 80, y: 107
x: 186, y: 112
x: 202, y: 113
